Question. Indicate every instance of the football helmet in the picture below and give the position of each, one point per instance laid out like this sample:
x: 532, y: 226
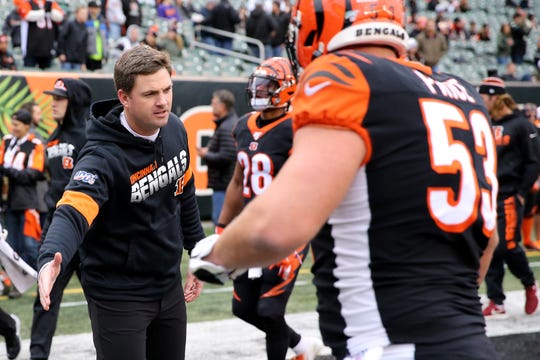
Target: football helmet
x: 271, y: 85
x: 320, y: 26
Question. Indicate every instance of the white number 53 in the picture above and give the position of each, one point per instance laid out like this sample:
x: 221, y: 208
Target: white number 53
x: 456, y: 212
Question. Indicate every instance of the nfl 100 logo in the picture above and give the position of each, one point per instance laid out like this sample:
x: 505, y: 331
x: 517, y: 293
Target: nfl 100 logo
x: 85, y: 177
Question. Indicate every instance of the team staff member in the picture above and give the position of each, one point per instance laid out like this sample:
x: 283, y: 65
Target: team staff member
x: 518, y: 159
x: 70, y: 109
x: 264, y: 142
x: 220, y: 153
x: 397, y: 265
x: 130, y: 209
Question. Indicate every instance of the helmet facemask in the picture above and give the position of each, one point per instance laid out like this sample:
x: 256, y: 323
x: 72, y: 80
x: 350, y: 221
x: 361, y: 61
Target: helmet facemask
x: 271, y: 85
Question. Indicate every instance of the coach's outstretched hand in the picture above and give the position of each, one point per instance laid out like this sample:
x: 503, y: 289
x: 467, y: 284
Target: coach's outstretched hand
x: 206, y: 270
x: 46, y: 278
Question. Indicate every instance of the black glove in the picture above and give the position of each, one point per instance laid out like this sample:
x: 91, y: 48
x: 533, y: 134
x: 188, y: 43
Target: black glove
x: 48, y: 6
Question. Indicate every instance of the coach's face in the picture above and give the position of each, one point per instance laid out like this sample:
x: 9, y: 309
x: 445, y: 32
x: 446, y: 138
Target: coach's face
x: 148, y: 105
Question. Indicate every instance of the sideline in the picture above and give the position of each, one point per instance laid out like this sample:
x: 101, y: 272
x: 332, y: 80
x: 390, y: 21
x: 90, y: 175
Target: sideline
x: 233, y: 339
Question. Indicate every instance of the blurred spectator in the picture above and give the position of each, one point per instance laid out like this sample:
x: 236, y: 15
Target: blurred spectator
x: 463, y: 6
x: 38, y: 31
x: 521, y: 27
x: 167, y: 10
x: 504, y: 44
x: 203, y: 17
x: 114, y: 13
x: 282, y: 19
x: 223, y: 17
x: 42, y: 186
x: 35, y: 111
x: 432, y: 45
x: 150, y: 38
x: 73, y: 41
x: 485, y: 33
x: 261, y: 26
x: 12, y: 26
x: 22, y: 160
x: 419, y: 26
x: 7, y: 61
x: 97, y: 50
x: 185, y: 9
x: 133, y: 13
x: 458, y: 30
x: 510, y: 74
x: 431, y: 4
x: 131, y: 39
x: 473, y: 29
x: 172, y: 42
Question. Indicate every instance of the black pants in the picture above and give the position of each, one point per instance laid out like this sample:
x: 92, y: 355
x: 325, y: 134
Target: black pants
x: 509, y: 251
x: 153, y: 330
x: 44, y: 322
x: 261, y: 302
x: 8, y: 328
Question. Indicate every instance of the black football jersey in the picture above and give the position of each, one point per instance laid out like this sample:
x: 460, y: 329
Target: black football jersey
x: 398, y: 260
x: 261, y: 151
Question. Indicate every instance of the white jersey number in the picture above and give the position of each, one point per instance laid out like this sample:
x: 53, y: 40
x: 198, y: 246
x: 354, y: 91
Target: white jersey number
x: 456, y: 212
x: 258, y: 173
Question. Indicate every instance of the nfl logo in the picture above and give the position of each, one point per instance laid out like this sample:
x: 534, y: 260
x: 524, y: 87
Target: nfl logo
x: 253, y: 146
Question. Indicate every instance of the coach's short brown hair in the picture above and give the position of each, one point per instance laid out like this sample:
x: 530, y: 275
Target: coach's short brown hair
x: 140, y: 60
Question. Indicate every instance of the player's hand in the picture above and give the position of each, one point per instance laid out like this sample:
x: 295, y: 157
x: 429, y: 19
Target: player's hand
x: 46, y: 278
x: 206, y: 270
x: 193, y: 288
x: 288, y: 266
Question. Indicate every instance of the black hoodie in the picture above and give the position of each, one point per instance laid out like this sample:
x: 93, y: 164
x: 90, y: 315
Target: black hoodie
x: 133, y: 201
x: 65, y: 143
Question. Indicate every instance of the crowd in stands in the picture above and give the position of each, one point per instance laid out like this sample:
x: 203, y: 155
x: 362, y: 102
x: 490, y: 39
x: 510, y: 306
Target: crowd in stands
x: 449, y: 35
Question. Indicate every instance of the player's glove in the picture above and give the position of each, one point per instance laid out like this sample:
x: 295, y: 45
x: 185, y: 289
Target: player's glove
x: 206, y: 270
x: 287, y: 267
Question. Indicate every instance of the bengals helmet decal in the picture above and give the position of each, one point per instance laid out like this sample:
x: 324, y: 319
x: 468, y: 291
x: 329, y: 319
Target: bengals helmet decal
x: 320, y: 26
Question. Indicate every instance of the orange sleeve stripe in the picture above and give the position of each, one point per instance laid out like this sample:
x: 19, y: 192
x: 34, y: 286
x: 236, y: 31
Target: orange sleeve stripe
x: 188, y: 175
x: 81, y: 202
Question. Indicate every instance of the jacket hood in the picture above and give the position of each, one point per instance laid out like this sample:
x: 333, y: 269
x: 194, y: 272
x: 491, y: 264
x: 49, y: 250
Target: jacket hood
x: 79, y: 100
x: 105, y: 125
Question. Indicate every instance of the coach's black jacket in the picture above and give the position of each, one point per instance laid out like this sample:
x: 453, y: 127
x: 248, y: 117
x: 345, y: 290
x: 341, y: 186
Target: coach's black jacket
x: 133, y: 202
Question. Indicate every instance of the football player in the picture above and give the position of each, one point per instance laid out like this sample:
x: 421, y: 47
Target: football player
x: 397, y: 163
x: 264, y: 142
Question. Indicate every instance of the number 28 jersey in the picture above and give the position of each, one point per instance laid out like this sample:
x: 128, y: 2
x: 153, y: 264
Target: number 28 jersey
x: 397, y: 261
x: 261, y: 151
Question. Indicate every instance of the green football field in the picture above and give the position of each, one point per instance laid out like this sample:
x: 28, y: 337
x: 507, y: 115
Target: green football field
x: 213, y: 304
